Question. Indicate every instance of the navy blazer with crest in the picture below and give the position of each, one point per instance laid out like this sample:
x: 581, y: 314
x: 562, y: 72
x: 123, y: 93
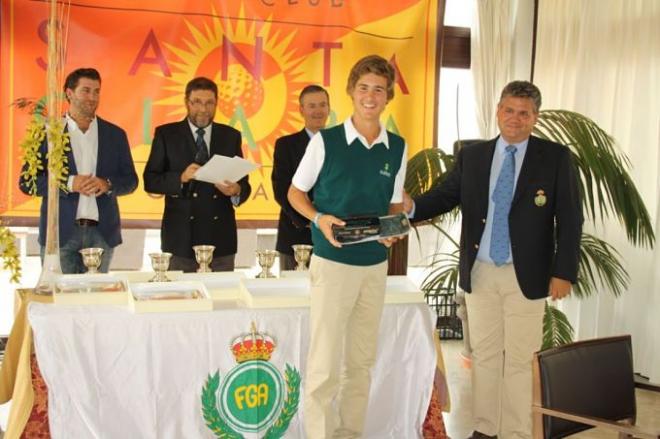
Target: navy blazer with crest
x: 195, y: 212
x: 545, y: 236
x: 114, y: 162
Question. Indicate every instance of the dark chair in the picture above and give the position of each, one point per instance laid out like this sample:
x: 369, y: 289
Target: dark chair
x: 584, y: 385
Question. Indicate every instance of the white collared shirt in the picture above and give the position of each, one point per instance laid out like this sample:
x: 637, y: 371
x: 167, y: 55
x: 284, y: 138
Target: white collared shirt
x: 312, y: 162
x: 85, y: 148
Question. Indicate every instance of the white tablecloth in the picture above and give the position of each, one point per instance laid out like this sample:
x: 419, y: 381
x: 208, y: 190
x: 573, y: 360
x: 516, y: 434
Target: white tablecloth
x: 113, y: 374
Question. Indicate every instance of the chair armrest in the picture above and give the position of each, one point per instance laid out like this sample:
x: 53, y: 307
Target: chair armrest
x: 597, y: 422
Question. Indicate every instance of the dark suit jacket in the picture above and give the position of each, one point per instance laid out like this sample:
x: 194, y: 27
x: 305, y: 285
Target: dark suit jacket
x: 292, y: 227
x: 115, y: 163
x: 544, y: 239
x: 195, y: 212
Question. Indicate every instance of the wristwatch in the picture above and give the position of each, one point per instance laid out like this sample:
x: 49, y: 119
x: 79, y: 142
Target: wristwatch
x: 107, y: 180
x: 317, y: 217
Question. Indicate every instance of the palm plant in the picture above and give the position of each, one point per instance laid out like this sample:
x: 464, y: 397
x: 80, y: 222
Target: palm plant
x: 607, y: 191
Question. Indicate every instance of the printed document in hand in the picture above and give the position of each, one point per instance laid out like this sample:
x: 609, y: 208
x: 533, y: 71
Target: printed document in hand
x: 220, y: 168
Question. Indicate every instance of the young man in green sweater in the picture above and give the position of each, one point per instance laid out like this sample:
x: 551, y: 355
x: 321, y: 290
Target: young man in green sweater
x: 356, y: 168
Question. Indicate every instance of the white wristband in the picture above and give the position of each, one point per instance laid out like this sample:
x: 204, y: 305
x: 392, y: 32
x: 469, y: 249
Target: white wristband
x: 317, y: 217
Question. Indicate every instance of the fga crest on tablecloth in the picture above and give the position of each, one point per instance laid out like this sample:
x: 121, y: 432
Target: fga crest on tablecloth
x: 253, y: 396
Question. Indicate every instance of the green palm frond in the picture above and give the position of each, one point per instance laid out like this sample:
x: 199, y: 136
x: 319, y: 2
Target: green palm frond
x: 557, y: 330
x: 443, y: 274
x: 426, y: 169
x: 600, y: 264
x: 606, y: 186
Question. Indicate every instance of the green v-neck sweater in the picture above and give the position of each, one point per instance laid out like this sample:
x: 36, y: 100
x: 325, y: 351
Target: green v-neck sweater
x: 355, y: 181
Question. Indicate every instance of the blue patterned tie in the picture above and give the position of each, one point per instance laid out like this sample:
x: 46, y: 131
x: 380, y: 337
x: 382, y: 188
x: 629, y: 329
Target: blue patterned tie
x: 502, y: 196
x: 202, y: 154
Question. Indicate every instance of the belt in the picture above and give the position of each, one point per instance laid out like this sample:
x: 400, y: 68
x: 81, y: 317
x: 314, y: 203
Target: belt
x: 84, y: 222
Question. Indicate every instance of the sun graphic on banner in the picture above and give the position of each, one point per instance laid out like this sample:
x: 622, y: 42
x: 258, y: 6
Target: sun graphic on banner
x: 257, y: 74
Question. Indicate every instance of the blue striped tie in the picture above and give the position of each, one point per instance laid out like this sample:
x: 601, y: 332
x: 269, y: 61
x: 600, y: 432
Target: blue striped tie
x: 502, y: 196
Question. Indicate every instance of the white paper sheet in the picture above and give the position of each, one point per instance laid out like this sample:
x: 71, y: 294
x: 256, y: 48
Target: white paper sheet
x: 220, y: 168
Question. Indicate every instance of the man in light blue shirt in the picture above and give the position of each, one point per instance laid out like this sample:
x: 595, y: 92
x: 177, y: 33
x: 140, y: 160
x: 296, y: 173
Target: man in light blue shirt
x: 520, y: 239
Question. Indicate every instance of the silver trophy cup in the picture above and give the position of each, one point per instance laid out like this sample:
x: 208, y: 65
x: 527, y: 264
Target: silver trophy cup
x: 302, y: 253
x: 204, y: 256
x: 266, y: 259
x: 91, y: 257
x: 160, y: 263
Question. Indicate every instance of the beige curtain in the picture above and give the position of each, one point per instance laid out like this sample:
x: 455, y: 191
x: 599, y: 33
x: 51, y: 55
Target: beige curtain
x: 501, y: 47
x: 602, y: 59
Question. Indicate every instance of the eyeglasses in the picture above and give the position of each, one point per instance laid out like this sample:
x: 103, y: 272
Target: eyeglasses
x: 199, y: 104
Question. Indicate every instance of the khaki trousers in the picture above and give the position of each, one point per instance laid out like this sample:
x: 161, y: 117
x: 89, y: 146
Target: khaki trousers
x: 346, y: 306
x: 506, y: 329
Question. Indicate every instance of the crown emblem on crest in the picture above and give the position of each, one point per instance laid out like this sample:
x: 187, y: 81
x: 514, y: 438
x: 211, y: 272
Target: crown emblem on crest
x: 253, y: 346
x: 254, y: 396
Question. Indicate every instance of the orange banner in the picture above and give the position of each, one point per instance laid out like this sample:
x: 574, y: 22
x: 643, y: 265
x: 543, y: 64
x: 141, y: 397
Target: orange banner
x: 261, y: 53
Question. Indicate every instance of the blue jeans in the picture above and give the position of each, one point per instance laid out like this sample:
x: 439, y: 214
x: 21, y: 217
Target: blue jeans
x: 83, y: 237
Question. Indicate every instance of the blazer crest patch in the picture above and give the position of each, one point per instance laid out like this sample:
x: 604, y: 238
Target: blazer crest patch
x: 540, y: 198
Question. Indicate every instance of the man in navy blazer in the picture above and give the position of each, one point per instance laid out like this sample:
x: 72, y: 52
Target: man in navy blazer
x: 292, y: 227
x: 519, y: 245
x: 100, y: 168
x: 196, y: 212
